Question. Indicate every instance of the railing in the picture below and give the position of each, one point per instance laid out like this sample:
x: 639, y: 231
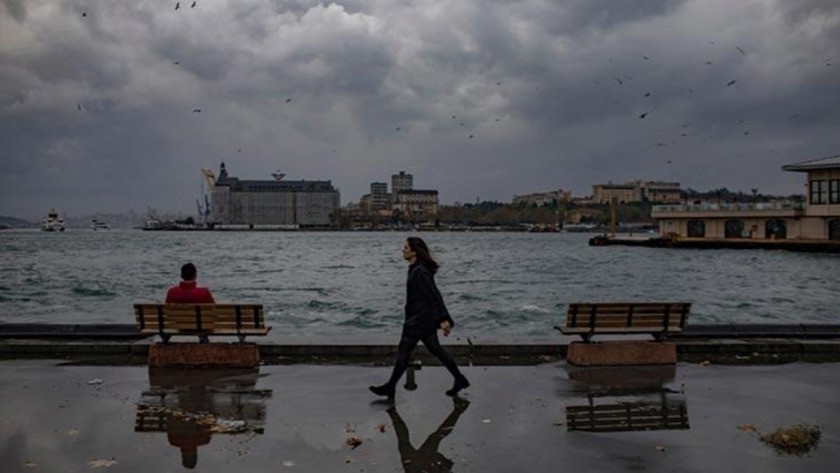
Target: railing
x: 730, y: 207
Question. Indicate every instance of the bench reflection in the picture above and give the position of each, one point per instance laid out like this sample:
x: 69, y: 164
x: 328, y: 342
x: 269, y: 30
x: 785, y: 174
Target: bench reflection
x: 190, y: 405
x: 621, y: 399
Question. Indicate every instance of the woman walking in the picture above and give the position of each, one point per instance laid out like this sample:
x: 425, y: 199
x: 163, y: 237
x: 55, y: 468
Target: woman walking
x: 425, y: 313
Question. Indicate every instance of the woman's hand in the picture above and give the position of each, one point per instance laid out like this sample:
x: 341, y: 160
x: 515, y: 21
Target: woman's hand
x: 446, y: 327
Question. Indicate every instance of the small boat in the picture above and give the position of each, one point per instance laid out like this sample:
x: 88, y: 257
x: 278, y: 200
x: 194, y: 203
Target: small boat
x: 97, y: 224
x: 52, y: 223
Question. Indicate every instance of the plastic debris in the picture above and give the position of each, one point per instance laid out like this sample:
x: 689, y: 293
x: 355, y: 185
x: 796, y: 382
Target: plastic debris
x: 749, y: 428
x: 486, y: 421
x: 95, y: 381
x: 381, y: 427
x: 288, y: 463
x: 659, y: 448
x: 706, y: 363
x: 353, y: 442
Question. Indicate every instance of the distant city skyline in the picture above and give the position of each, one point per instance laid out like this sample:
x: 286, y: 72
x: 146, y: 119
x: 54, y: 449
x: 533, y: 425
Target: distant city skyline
x: 108, y: 107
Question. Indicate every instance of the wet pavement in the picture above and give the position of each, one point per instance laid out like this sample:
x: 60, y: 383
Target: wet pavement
x: 547, y: 417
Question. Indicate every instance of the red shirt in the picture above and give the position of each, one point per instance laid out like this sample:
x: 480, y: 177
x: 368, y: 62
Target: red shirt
x: 188, y: 292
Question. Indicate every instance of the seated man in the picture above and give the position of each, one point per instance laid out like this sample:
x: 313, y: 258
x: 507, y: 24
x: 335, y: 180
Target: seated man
x: 188, y: 292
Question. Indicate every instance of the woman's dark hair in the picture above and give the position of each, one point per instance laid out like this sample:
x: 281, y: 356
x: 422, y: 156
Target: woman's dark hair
x: 418, y: 246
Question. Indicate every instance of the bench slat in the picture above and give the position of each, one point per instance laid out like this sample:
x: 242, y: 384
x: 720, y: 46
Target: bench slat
x: 201, y: 319
x: 657, y: 318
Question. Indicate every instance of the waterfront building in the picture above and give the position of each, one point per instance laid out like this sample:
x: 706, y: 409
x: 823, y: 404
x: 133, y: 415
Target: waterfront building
x: 417, y: 203
x: 637, y: 191
x: 623, y: 193
x: 543, y: 198
x: 379, y: 197
x: 816, y: 219
x: 272, y: 202
x: 400, y: 182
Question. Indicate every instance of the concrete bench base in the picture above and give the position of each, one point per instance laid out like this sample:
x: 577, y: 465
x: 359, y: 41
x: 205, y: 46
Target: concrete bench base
x: 614, y: 353
x: 246, y: 355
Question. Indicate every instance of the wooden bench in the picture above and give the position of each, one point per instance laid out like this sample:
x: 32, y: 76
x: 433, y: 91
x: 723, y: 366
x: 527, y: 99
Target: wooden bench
x: 203, y: 320
x: 655, y: 318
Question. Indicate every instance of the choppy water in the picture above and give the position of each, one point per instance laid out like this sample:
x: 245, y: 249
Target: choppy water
x: 351, y: 286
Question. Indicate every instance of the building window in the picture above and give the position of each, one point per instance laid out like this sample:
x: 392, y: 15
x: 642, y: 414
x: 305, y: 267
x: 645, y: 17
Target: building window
x: 834, y: 229
x: 834, y: 191
x: 818, y: 189
x: 733, y: 229
x: 696, y: 228
x: 775, y: 229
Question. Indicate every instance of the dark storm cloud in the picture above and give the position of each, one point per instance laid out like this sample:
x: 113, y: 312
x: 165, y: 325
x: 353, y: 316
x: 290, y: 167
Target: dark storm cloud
x: 98, y: 110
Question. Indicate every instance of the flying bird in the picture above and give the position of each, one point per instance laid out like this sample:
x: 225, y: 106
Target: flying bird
x: 177, y: 6
x: 472, y: 136
x: 193, y: 4
x: 709, y: 63
x: 647, y: 94
x: 795, y: 116
x: 177, y: 63
x: 659, y: 144
x: 288, y: 100
x: 84, y: 15
x: 746, y: 133
x: 732, y: 82
x: 740, y: 50
x: 79, y: 106
x: 397, y: 129
x: 196, y: 110
x: 647, y: 58
x: 453, y: 116
x: 619, y: 81
x: 642, y: 116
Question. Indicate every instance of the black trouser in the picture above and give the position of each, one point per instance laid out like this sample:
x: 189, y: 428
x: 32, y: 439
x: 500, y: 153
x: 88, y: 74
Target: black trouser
x: 406, y: 348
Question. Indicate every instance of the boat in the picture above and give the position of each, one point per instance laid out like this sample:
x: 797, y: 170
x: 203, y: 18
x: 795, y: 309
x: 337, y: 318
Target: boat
x: 97, y: 224
x: 52, y: 223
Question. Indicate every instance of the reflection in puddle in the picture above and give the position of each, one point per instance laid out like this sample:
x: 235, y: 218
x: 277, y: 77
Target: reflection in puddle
x: 191, y: 405
x: 426, y: 457
x: 621, y: 399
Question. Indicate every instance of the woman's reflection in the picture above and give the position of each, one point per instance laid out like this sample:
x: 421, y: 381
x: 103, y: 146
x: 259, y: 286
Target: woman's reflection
x: 427, y: 458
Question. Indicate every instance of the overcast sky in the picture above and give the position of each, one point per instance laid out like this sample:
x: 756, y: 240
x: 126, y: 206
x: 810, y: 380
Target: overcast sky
x: 98, y: 101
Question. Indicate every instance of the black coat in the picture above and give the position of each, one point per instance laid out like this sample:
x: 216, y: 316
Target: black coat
x: 424, y: 307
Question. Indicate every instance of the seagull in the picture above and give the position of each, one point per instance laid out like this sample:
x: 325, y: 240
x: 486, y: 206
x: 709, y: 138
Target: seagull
x: 453, y: 116
x: 795, y: 116
x: 642, y: 116
x: 732, y: 82
x: 84, y: 15
x: 397, y: 129
x: 619, y: 81
x: 498, y: 83
x: 646, y: 58
x: 659, y: 144
x: 709, y: 63
x: 79, y: 106
x: 193, y: 5
x: 196, y: 110
x: 740, y: 50
x: 177, y: 63
x: 647, y: 94
x: 472, y: 136
x: 288, y: 100
x: 746, y: 133
x: 177, y: 6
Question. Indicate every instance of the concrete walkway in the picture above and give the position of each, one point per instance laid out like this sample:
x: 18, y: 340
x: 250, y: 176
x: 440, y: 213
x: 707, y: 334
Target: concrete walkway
x: 57, y: 417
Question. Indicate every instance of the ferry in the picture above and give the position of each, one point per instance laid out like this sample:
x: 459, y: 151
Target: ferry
x: 99, y: 225
x: 52, y: 223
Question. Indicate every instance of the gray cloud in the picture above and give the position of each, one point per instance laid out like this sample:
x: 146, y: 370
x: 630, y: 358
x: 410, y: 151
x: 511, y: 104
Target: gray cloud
x: 96, y: 116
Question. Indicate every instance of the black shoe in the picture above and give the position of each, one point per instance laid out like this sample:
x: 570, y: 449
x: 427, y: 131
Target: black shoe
x: 385, y: 390
x: 460, y: 383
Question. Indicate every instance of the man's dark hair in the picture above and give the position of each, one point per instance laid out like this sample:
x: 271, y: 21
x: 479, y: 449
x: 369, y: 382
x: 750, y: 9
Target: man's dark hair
x: 188, y: 272
x: 418, y: 246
